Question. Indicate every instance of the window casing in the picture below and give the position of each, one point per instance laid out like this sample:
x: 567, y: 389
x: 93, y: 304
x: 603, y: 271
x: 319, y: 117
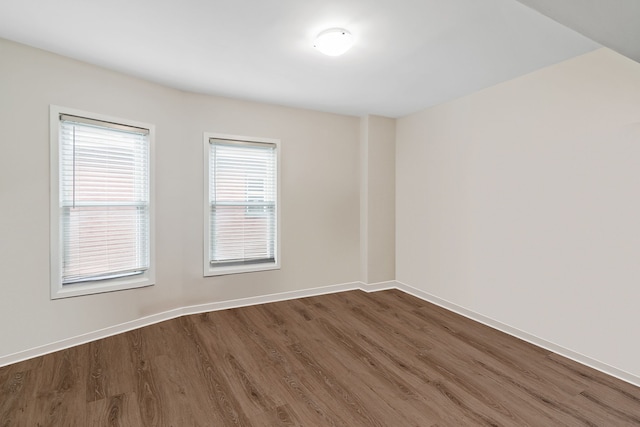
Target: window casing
x: 101, y: 204
x: 241, y: 214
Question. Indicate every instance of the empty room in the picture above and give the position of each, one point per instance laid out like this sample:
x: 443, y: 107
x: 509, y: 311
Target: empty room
x: 310, y: 213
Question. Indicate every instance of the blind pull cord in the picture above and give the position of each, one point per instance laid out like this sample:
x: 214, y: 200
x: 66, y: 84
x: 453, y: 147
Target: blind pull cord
x: 74, y: 167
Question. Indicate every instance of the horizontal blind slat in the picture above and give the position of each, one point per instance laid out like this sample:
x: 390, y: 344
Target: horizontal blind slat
x: 242, y: 193
x: 104, y: 199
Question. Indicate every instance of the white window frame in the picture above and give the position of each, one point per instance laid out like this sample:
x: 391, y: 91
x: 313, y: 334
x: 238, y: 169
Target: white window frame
x: 210, y: 270
x: 58, y: 290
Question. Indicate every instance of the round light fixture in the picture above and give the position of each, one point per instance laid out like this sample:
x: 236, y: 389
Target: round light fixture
x: 334, y: 42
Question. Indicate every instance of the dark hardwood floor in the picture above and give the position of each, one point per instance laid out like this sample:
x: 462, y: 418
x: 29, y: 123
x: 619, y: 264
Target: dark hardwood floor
x: 348, y: 359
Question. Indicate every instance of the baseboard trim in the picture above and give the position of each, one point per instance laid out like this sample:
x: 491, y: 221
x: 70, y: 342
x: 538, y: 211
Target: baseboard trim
x: 535, y: 340
x: 264, y: 299
x: 172, y: 314
x: 380, y: 286
x: 323, y: 290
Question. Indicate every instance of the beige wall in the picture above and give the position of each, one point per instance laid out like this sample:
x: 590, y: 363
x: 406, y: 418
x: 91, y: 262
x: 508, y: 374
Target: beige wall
x: 521, y: 203
x: 320, y: 195
x: 377, y: 199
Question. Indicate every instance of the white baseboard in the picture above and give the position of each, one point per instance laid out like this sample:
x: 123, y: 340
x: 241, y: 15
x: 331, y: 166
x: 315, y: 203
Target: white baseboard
x: 88, y: 337
x: 380, y: 286
x: 537, y: 341
x: 263, y: 299
x: 171, y: 314
x: 283, y: 296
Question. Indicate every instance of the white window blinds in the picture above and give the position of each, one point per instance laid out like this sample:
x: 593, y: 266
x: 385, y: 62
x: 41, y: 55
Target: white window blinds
x: 242, y: 200
x: 104, y: 199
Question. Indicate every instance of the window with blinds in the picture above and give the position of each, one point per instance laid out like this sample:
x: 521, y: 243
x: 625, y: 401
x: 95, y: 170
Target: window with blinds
x: 104, y: 211
x: 242, y: 209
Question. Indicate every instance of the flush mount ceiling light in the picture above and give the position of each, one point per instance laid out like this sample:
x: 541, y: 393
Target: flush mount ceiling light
x: 334, y: 42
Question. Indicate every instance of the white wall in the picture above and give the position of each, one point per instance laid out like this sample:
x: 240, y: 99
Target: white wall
x: 521, y: 203
x: 320, y: 195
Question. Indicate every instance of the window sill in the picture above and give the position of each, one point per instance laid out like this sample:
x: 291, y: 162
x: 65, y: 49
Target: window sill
x: 100, y: 286
x: 237, y: 269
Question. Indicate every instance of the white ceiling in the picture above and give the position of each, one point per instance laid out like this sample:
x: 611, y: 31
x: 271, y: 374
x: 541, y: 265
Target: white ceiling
x: 612, y: 23
x: 409, y: 54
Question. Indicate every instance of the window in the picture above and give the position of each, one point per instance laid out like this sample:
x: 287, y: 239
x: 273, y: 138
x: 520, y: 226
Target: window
x: 101, y: 207
x: 241, y: 209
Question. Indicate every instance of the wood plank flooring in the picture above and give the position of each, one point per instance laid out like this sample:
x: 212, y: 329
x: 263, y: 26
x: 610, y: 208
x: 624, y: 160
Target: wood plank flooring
x: 348, y: 359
